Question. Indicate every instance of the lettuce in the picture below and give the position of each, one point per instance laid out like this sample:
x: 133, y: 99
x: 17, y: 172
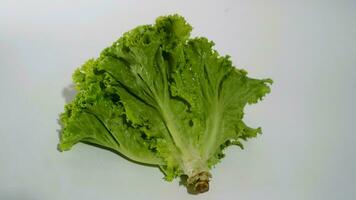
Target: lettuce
x: 158, y: 97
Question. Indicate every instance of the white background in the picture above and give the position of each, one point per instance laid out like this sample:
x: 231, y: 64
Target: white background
x: 307, y: 150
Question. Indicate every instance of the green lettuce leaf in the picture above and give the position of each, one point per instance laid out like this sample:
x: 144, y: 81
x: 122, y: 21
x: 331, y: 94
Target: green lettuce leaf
x: 158, y: 97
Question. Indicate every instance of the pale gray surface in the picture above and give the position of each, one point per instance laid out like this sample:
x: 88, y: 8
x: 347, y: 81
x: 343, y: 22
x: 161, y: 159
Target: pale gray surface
x: 307, y: 150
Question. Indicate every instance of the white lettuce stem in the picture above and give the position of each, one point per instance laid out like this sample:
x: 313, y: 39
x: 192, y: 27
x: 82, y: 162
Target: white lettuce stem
x: 198, y: 175
x: 211, y: 132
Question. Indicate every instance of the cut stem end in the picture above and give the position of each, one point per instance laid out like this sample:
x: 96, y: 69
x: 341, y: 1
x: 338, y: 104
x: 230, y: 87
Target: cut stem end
x: 199, y: 183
